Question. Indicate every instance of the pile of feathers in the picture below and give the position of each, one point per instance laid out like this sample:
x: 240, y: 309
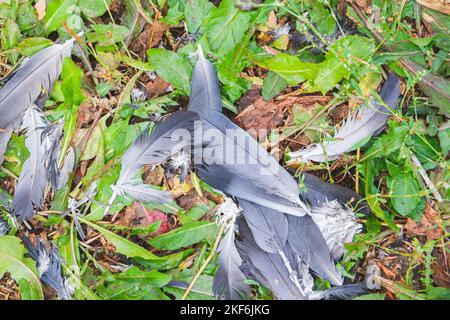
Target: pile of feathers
x: 276, y: 234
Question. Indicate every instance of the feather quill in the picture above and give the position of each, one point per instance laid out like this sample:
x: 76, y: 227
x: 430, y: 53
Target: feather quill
x: 205, y: 90
x: 153, y: 149
x: 33, y: 178
x: 35, y: 75
x: 366, y: 122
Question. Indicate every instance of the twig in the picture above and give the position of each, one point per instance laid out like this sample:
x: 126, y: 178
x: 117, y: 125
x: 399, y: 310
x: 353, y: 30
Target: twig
x: 208, y: 259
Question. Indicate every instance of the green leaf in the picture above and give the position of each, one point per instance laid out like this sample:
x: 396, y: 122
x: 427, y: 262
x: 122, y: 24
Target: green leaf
x: 9, y: 38
x: 73, y: 97
x: 405, y: 193
x: 226, y: 26
x: 290, y: 68
x: 135, y: 284
x: 56, y: 12
x: 195, y: 12
x: 338, y: 60
x: 107, y: 34
x: 123, y: 246
x: 174, y: 15
x: 184, y: 236
x: 16, y: 154
x: 30, y: 46
x: 370, y: 169
x: 172, y: 67
x: 12, y: 260
x: 272, y: 86
x: 94, y: 8
x: 444, y: 140
x: 371, y: 296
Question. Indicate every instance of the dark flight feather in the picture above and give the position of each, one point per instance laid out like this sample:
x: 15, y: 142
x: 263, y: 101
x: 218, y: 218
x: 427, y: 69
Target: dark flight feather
x: 223, y: 159
x: 344, y: 292
x: 30, y: 188
x: 318, y: 192
x: 367, y: 121
x: 268, y: 269
x: 205, y: 90
x: 269, y: 227
x: 35, y: 75
x: 49, y: 267
x: 229, y: 280
x: 306, y: 240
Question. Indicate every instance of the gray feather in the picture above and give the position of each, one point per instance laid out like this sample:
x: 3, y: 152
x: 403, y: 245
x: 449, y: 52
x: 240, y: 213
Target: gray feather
x: 229, y: 280
x: 345, y: 292
x: 237, y: 165
x: 306, y: 240
x: 366, y: 122
x: 142, y: 192
x: 49, y: 265
x: 318, y: 192
x: 267, y: 268
x: 205, y: 90
x: 33, y: 178
x: 37, y: 74
x: 269, y: 227
x: 154, y: 148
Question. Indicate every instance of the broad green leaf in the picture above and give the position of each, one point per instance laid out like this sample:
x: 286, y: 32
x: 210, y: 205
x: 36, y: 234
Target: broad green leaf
x: 16, y: 154
x: 27, y: 19
x: 345, y: 52
x: 195, y: 12
x: 405, y: 193
x: 171, y: 67
x: 371, y: 296
x: 21, y: 269
x: 9, y: 38
x: 56, y: 12
x: 174, y: 15
x: 30, y: 46
x: 172, y: 260
x: 290, y: 68
x: 123, y: 246
x: 73, y: 97
x: 273, y: 84
x: 94, y: 8
x: 135, y: 284
x: 226, y: 26
x: 107, y: 34
x: 202, y: 289
x: 444, y: 139
x: 184, y: 236
x: 370, y: 169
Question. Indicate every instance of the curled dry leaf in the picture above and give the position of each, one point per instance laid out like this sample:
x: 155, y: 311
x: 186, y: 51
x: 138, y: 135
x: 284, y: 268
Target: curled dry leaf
x: 156, y: 87
x: 428, y: 226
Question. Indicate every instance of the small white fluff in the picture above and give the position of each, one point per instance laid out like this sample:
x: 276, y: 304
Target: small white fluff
x: 227, y: 211
x: 337, y: 224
